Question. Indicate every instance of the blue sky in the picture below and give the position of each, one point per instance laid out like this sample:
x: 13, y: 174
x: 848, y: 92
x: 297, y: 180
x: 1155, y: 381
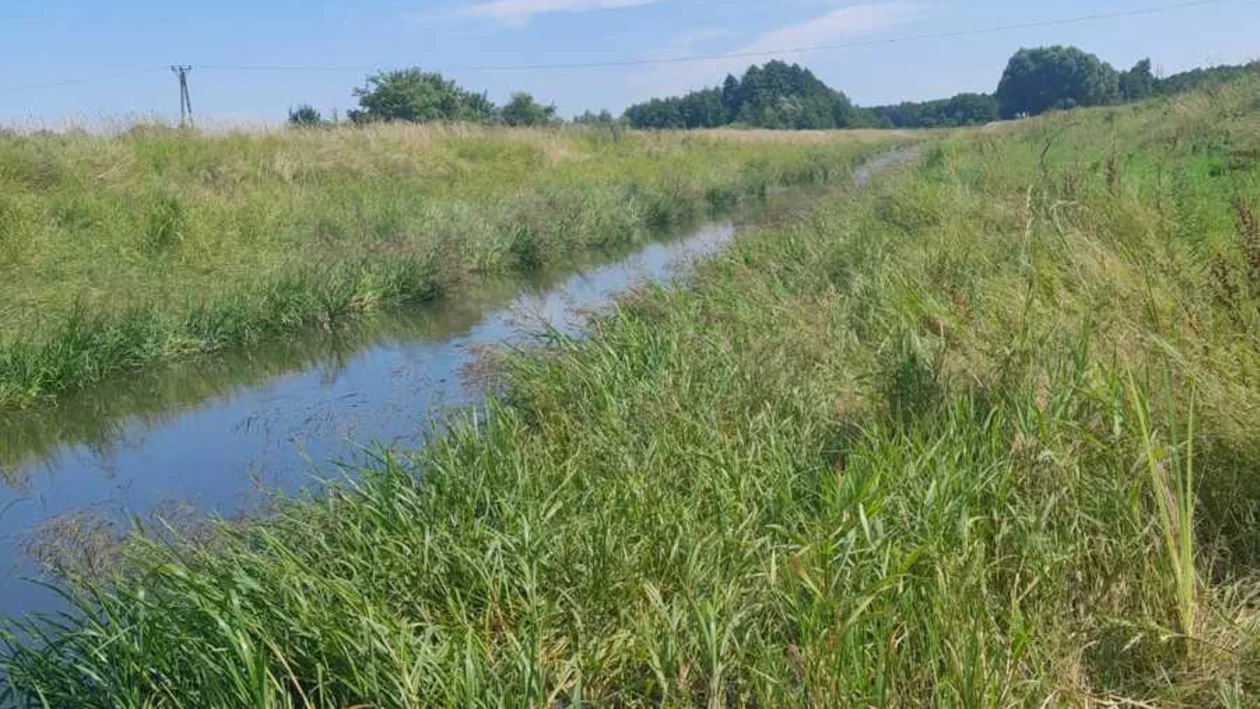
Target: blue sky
x: 59, y: 40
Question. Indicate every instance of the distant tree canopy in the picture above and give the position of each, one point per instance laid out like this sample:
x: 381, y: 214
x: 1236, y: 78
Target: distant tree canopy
x: 1205, y: 78
x: 305, y: 115
x: 523, y: 110
x: 1055, y: 77
x: 603, y: 118
x: 419, y: 97
x: 1137, y: 83
x: 1037, y: 80
x: 777, y: 95
x: 961, y: 110
x: 787, y: 96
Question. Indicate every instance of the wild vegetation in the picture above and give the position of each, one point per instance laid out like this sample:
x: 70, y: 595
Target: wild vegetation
x: 120, y: 251
x: 1035, y: 80
x: 979, y: 435
x: 777, y: 96
x: 961, y: 110
x: 417, y: 96
x: 780, y: 96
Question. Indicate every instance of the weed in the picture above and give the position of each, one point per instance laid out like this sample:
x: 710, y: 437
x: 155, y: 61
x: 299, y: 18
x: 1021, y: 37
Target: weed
x: 257, y: 234
x: 800, y: 481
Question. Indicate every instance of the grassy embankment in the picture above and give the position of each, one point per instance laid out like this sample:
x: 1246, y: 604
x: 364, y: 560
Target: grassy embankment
x: 980, y: 435
x: 117, y: 252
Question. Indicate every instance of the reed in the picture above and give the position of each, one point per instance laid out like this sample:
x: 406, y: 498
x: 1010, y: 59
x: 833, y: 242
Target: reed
x: 118, y: 251
x: 903, y: 450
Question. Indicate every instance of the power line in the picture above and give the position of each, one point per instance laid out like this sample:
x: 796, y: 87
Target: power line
x: 99, y: 78
x: 749, y: 55
x: 1116, y: 14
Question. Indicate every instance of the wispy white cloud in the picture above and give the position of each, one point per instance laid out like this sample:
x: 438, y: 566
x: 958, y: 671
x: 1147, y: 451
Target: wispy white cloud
x: 830, y: 28
x: 837, y: 24
x: 518, y: 12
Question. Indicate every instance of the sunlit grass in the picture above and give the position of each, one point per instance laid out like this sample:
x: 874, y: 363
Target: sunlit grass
x: 120, y: 250
x: 982, y: 434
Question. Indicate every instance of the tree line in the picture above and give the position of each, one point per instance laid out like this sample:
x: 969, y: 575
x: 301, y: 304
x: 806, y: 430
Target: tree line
x: 1034, y: 81
x: 416, y: 96
x: 778, y: 95
x: 790, y: 97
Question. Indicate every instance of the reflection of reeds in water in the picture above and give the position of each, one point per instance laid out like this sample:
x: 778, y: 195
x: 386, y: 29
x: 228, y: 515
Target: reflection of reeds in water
x: 911, y: 450
x: 99, y: 417
x: 150, y: 244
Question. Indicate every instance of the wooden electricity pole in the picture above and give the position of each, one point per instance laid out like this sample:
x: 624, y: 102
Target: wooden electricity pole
x: 185, y: 101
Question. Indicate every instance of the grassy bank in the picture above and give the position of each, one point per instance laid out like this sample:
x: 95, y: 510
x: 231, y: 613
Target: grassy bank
x: 980, y: 435
x: 118, y: 251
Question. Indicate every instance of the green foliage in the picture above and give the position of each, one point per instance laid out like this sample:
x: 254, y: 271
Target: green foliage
x: 305, y: 116
x: 778, y: 96
x: 981, y: 435
x: 416, y: 96
x: 1204, y: 78
x: 961, y: 110
x: 657, y: 114
x: 1045, y: 78
x: 1137, y: 83
x: 1036, y: 80
x: 783, y: 96
x: 120, y: 252
x: 524, y: 111
x: 590, y: 118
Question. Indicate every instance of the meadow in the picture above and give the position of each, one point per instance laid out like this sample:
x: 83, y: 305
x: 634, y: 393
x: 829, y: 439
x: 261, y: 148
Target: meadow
x: 981, y: 433
x: 149, y: 244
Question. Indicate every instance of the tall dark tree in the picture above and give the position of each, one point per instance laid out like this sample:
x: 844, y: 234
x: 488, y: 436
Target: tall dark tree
x: 1137, y: 83
x: 1037, y: 80
x: 730, y: 96
x: 419, y: 97
x: 703, y: 109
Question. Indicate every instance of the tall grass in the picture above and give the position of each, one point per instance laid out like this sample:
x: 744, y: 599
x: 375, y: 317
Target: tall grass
x: 903, y: 451
x: 1171, y: 472
x: 118, y: 251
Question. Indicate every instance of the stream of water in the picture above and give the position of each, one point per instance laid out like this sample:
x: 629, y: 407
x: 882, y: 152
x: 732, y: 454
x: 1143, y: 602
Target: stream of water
x: 218, y: 435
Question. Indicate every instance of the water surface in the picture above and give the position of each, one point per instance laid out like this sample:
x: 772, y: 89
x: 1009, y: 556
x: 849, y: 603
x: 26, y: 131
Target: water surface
x: 218, y: 435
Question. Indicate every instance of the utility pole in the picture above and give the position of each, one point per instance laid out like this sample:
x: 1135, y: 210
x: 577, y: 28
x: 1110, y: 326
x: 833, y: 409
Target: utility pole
x: 185, y: 102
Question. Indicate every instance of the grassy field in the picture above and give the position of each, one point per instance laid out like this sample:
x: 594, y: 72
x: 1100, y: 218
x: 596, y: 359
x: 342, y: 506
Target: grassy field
x: 982, y: 434
x: 118, y: 251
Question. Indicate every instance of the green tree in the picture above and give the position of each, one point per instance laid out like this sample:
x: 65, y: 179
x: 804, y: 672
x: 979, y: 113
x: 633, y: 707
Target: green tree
x: 1137, y: 83
x: 1205, y: 78
x: 730, y: 97
x: 589, y: 118
x: 777, y: 95
x: 657, y: 114
x: 305, y: 116
x: 1037, y: 80
x: 703, y: 109
x: 523, y: 110
x: 419, y: 97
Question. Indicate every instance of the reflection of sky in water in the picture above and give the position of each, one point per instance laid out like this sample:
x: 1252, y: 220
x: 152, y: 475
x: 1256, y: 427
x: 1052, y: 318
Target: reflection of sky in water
x: 218, y: 434
x: 261, y: 425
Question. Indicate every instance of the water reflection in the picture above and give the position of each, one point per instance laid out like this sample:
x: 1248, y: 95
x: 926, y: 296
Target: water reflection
x: 220, y: 435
